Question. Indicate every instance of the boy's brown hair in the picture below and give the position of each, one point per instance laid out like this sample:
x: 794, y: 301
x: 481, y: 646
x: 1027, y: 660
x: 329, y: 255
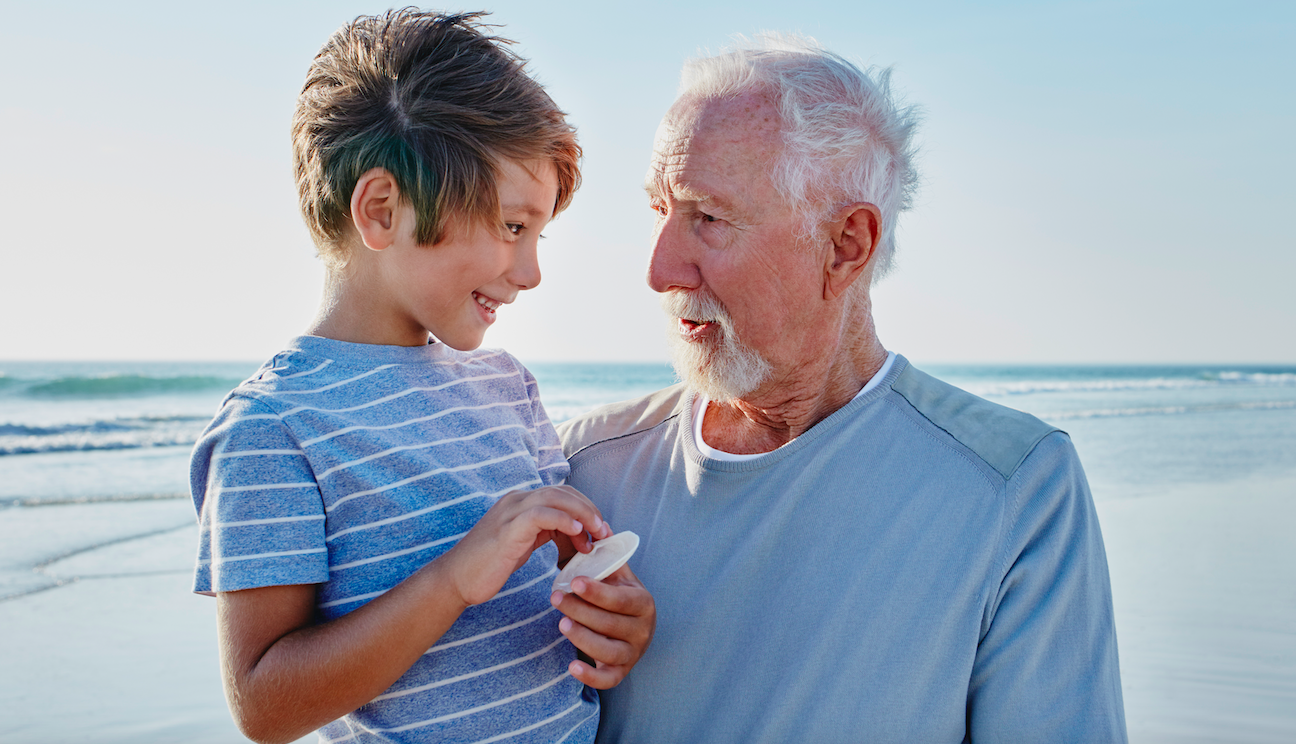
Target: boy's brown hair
x: 437, y: 102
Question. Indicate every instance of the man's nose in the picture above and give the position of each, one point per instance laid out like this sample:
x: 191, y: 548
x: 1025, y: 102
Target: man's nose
x: 526, y: 266
x: 673, y: 264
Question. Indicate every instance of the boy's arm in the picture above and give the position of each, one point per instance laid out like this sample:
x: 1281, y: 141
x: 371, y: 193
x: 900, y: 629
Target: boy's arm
x: 285, y: 676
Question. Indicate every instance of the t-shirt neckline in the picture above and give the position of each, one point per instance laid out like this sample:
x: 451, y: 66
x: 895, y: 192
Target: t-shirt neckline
x: 699, y: 407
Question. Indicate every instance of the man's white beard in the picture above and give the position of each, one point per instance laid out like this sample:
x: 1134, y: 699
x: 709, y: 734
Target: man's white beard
x: 721, y: 369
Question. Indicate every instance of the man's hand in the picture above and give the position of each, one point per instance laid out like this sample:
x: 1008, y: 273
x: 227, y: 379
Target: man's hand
x: 504, y: 538
x: 610, y: 621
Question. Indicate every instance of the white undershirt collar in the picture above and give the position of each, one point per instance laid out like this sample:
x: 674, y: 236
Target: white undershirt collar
x: 700, y: 404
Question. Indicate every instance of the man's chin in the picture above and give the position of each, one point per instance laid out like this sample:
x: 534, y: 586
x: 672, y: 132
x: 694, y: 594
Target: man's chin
x: 719, y: 370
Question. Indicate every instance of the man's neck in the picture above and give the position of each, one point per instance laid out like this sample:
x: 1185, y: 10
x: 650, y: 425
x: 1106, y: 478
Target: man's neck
x: 792, y: 402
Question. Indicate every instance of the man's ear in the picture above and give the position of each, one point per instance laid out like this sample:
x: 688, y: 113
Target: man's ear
x: 855, y: 233
x: 374, y: 203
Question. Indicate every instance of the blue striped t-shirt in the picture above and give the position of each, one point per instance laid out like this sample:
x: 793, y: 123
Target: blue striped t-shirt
x: 351, y: 466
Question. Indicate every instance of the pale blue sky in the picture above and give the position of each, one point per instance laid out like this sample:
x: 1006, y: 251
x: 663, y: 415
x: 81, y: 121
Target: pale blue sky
x: 1102, y: 182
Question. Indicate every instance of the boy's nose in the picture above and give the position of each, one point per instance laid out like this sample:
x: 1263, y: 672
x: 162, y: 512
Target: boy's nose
x: 526, y: 266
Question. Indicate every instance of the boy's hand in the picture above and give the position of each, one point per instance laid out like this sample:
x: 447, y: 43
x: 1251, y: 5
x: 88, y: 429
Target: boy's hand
x: 611, y: 621
x: 504, y: 538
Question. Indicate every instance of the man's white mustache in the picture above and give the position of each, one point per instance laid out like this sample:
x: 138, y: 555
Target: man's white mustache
x: 697, y: 306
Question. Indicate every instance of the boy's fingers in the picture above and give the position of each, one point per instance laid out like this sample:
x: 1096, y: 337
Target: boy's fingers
x: 574, y: 503
x: 582, y: 542
x: 586, y: 512
x: 601, y: 678
x: 545, y: 518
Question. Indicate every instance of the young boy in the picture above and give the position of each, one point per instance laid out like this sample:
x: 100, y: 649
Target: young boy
x: 380, y: 505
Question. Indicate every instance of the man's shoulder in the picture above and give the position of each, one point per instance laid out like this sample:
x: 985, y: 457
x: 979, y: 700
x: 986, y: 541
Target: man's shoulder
x: 622, y: 419
x: 1001, y: 436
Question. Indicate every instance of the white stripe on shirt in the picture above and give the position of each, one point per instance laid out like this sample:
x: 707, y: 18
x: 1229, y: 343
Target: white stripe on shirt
x: 572, y: 730
x: 268, y: 520
x: 434, y: 507
x: 421, y: 476
x: 337, y: 384
x: 263, y: 487
x: 396, y: 396
x: 256, y: 453
x: 480, y: 708
x: 409, y: 447
x: 451, y: 680
x: 538, y: 724
x: 326, y: 363
x: 255, y: 556
x: 420, y: 419
x: 489, y: 633
x: 552, y: 570
x: 396, y: 553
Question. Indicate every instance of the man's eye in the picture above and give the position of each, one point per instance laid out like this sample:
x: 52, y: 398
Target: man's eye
x: 658, y: 207
x: 708, y: 218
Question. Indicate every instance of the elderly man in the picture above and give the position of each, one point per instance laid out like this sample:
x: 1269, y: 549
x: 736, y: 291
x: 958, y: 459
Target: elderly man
x: 841, y: 547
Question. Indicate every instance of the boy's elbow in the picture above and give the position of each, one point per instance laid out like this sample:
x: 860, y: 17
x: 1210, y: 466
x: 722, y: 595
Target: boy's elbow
x: 265, y: 722
x: 267, y: 729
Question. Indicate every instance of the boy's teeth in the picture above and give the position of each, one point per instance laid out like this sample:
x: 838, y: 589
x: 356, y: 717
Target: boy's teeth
x: 488, y: 304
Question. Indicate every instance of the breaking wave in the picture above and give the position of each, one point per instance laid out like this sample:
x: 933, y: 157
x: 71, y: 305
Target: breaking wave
x: 113, y: 386
x: 104, y: 434
x: 1200, y: 381
x: 1271, y: 405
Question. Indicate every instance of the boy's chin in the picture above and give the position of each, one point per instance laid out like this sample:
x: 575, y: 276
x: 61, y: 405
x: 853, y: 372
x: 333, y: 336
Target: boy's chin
x: 462, y: 343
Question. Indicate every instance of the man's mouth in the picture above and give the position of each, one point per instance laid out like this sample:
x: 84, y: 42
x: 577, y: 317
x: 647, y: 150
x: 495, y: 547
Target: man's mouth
x: 486, y: 302
x: 692, y: 329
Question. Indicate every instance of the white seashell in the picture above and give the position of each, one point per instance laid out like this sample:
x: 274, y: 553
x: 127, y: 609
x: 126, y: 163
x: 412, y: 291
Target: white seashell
x: 607, y: 556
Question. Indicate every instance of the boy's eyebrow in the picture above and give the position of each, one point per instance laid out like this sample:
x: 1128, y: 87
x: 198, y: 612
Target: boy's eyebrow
x: 528, y: 210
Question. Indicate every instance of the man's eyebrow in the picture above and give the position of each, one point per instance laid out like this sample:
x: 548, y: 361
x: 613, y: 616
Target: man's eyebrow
x: 681, y: 193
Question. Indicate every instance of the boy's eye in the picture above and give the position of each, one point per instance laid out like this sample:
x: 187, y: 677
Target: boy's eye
x: 514, y: 227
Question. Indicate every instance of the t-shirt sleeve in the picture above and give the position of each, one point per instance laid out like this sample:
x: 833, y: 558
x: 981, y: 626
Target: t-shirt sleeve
x: 260, y: 514
x: 550, y: 460
x: 1046, y: 669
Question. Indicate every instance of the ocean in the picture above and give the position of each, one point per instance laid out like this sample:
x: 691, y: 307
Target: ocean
x: 88, y: 431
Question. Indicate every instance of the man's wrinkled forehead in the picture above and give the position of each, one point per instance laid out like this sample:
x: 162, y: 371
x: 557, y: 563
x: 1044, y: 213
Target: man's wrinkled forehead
x: 724, y: 132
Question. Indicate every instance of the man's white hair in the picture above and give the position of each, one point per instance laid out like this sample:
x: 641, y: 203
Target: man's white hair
x: 846, y: 139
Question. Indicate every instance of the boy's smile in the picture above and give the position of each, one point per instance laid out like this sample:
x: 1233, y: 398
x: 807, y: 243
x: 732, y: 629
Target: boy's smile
x: 396, y: 292
x: 486, y: 302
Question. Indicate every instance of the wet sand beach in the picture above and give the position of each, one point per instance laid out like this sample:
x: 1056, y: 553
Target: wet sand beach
x: 103, y: 640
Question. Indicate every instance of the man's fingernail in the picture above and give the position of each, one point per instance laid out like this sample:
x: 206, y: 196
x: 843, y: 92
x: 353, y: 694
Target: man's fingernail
x: 565, y: 625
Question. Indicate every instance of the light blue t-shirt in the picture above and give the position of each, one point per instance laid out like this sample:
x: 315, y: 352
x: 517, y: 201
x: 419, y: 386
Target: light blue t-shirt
x: 921, y: 566
x: 350, y: 466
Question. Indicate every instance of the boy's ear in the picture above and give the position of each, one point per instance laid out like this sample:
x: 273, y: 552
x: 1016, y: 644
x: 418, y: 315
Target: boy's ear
x: 374, y: 204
